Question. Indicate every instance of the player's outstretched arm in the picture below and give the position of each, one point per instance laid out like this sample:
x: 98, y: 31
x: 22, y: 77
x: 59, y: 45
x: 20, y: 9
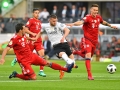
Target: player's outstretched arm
x: 2, y: 60
x: 109, y: 25
x: 78, y: 23
x: 28, y: 31
x: 66, y: 32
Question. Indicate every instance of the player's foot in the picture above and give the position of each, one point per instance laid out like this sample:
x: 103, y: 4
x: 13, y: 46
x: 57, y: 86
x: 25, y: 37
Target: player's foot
x: 13, y: 62
x: 90, y: 78
x: 61, y: 74
x: 46, y: 57
x: 69, y: 67
x: 13, y: 75
x: 41, y: 73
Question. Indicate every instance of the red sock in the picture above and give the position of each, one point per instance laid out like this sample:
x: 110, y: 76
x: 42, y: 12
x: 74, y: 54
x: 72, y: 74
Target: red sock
x: 41, y: 67
x: 88, y: 67
x: 22, y: 76
x: 58, y: 67
x: 79, y: 53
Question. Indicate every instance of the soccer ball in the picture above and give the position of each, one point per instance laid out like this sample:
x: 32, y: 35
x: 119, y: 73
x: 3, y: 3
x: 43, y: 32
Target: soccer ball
x: 111, y: 68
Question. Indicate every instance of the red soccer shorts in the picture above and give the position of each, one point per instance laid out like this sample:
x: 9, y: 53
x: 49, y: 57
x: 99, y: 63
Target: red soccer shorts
x: 87, y: 47
x: 34, y: 59
x: 36, y: 45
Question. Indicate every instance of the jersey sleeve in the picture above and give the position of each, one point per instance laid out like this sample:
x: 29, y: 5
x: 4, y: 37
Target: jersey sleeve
x: 62, y: 26
x: 85, y: 19
x: 29, y: 23
x: 10, y: 44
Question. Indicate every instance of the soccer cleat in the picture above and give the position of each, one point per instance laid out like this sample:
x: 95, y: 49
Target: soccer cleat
x: 13, y: 75
x: 61, y: 74
x: 46, y: 57
x: 14, y: 62
x: 69, y: 67
x: 41, y: 73
x: 90, y: 78
x: 75, y: 66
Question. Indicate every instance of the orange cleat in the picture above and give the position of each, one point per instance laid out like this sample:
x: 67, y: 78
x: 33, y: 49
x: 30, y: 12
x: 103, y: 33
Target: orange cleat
x: 61, y: 74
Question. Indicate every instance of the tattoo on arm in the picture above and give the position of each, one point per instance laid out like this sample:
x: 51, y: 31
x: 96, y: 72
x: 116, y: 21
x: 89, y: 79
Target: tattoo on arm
x: 106, y: 23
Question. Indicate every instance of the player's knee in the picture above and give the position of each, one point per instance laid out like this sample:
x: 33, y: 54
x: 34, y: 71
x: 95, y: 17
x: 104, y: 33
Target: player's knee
x: 71, y: 56
x: 88, y: 55
x: 61, y: 53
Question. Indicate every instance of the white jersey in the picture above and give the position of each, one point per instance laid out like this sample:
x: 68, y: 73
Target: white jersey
x: 55, y: 33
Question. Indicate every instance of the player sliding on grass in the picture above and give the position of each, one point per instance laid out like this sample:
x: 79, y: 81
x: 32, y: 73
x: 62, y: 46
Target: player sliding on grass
x: 34, y: 25
x: 26, y: 57
x: 55, y: 34
x: 88, y: 44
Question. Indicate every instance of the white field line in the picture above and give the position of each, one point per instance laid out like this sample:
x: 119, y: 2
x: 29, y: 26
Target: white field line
x: 31, y: 81
x: 53, y: 80
x: 76, y: 76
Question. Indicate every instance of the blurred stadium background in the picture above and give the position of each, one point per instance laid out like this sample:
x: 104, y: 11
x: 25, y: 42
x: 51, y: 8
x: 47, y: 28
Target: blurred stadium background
x: 15, y: 11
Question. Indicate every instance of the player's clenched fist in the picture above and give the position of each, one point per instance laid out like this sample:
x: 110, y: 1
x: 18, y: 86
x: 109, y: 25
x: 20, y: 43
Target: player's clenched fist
x: 2, y: 61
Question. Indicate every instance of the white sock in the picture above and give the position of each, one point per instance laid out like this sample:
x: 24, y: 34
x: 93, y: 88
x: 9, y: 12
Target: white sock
x: 67, y: 59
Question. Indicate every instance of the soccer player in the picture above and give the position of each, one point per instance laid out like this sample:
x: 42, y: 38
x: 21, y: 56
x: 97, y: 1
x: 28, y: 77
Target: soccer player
x: 88, y: 44
x: 55, y: 34
x: 34, y: 25
x: 26, y: 57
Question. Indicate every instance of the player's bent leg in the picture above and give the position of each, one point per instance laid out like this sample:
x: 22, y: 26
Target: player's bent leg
x: 80, y: 53
x: 59, y: 67
x: 88, y: 66
x: 14, y: 61
x: 41, y: 72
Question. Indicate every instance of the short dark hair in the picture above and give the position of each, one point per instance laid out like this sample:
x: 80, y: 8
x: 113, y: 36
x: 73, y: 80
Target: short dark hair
x: 53, y: 16
x: 19, y: 27
x: 94, y: 5
x: 35, y: 9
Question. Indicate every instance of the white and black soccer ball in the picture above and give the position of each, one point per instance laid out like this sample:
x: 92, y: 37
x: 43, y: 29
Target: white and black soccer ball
x: 111, y: 68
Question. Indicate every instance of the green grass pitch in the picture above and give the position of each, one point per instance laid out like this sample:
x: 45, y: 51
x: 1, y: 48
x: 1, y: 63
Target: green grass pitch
x: 77, y: 80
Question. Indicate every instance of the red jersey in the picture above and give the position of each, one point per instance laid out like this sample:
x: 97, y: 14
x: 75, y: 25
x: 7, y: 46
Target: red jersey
x: 91, y: 28
x: 20, y: 47
x: 34, y: 26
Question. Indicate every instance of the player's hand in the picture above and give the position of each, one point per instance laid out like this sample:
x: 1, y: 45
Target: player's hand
x: 70, y: 24
x: 34, y: 34
x: 62, y: 40
x: 2, y: 61
x: 114, y: 27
